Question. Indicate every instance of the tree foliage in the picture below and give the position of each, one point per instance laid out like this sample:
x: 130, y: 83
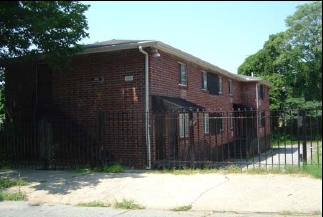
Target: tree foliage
x: 50, y: 28
x: 47, y: 30
x: 292, y: 60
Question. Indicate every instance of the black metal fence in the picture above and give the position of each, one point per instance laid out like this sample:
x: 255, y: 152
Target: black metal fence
x: 178, y: 139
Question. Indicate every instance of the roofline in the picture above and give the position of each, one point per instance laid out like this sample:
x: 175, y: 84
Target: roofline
x: 171, y: 50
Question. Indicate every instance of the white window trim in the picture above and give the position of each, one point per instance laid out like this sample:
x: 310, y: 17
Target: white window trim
x: 220, y: 85
x: 204, y: 80
x: 230, y: 87
x: 183, y: 65
x: 183, y: 119
x: 222, y: 122
x: 206, y: 123
x: 231, y: 121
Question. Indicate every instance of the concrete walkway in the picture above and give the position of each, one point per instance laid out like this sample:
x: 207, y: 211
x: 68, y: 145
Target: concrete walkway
x: 204, y: 192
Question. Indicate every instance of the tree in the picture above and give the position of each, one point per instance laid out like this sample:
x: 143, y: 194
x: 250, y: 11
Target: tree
x: 49, y: 28
x: 305, y: 36
x: 292, y: 60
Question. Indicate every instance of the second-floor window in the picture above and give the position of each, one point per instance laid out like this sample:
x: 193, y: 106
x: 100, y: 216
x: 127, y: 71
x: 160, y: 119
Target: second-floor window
x: 261, y: 91
x: 182, y: 74
x: 204, y: 80
x: 214, y: 84
x: 230, y: 87
x: 220, y: 85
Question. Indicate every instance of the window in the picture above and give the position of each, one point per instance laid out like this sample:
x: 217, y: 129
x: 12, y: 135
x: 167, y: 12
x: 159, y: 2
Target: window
x: 182, y: 75
x: 263, y: 119
x: 213, y: 84
x: 261, y: 92
x: 216, y: 123
x: 220, y: 85
x: 206, y: 123
x: 204, y: 80
x: 231, y: 121
x: 183, y: 125
x: 230, y: 87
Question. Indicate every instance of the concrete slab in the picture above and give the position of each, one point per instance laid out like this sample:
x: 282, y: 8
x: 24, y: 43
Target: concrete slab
x: 204, y: 192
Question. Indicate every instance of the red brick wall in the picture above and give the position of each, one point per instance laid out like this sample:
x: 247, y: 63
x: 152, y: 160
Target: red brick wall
x: 80, y: 99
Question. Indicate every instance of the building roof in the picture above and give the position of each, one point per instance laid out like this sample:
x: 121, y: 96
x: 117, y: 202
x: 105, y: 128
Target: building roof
x: 116, y: 44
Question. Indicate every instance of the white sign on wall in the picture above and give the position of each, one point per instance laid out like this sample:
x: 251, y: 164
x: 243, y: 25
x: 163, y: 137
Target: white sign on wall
x: 128, y: 78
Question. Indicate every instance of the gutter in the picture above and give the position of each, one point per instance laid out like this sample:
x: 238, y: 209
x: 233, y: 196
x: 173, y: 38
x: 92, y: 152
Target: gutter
x: 147, y: 106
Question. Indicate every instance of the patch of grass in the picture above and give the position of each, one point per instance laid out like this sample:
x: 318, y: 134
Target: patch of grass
x: 127, y: 204
x: 93, y: 204
x: 114, y: 168
x: 314, y: 170
x: 17, y: 196
x: 181, y: 208
x: 7, y: 183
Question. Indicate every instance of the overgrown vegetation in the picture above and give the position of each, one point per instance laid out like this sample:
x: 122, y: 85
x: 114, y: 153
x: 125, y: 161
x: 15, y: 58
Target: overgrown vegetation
x: 7, y: 183
x: 93, y: 204
x: 11, y: 196
x: 181, y: 208
x: 113, y: 168
x: 16, y: 196
x: 306, y: 170
x: 127, y: 204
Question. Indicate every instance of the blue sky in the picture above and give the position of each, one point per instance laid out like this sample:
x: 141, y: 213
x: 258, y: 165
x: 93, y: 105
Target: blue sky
x: 221, y: 33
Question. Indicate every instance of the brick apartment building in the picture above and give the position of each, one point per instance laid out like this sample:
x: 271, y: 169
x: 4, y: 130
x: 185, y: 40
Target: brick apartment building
x: 142, y: 93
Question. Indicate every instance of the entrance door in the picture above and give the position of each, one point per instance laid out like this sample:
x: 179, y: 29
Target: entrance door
x: 172, y: 135
x: 160, y: 136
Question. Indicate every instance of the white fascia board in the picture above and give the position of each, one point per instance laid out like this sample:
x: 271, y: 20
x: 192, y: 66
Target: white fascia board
x: 174, y: 51
x: 118, y: 47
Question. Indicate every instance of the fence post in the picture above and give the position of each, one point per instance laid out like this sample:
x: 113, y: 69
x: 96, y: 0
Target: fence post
x: 304, y: 132
x: 46, y: 141
x: 191, y: 134
x: 101, y: 133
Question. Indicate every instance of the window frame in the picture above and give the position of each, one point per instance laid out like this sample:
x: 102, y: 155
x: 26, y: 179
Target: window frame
x: 220, y: 86
x: 183, y: 125
x: 261, y: 91
x: 206, y: 119
x: 204, y: 80
x: 231, y: 121
x: 182, y: 74
x: 230, y: 84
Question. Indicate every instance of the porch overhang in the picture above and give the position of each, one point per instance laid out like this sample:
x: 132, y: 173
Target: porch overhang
x: 166, y: 103
x: 242, y: 107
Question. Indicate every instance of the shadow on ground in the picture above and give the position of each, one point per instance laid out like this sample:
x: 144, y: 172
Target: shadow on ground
x: 62, y: 182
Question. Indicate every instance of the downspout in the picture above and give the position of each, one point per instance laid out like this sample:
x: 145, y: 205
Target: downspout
x: 147, y: 106
x: 257, y: 106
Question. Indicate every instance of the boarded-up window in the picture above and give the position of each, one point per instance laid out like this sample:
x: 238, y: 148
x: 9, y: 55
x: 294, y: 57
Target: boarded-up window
x: 213, y: 83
